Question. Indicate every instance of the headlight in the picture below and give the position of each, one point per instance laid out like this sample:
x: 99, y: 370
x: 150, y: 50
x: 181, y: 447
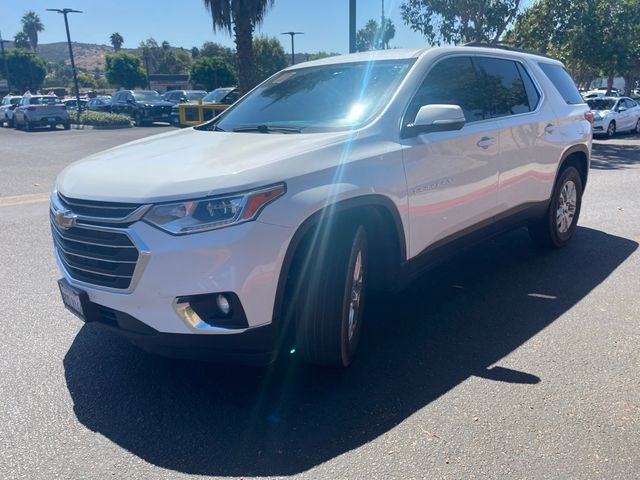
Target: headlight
x: 204, y: 214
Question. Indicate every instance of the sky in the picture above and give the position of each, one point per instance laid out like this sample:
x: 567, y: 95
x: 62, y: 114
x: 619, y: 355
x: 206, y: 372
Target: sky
x: 186, y: 23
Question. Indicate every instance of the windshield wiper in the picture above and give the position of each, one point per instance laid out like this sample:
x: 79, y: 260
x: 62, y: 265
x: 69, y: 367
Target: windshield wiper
x: 267, y: 129
x: 210, y: 127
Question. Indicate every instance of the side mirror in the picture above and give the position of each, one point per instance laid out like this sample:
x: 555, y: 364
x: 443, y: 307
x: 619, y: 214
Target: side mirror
x: 436, y: 118
x: 622, y: 109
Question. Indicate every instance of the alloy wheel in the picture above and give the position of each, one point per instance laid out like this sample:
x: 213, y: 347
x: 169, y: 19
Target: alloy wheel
x: 567, y: 203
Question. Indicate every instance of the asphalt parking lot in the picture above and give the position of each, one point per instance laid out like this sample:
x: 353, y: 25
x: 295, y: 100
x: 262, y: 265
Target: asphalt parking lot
x: 505, y: 362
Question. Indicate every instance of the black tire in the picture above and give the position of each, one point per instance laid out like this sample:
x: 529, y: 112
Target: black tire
x: 324, y: 334
x: 67, y: 125
x: 52, y: 127
x: 138, y: 120
x: 10, y: 123
x: 637, y: 129
x: 611, y: 129
x: 546, y: 232
x: 28, y: 126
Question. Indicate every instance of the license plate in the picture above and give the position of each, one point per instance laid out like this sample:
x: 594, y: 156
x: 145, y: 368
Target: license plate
x: 71, y: 298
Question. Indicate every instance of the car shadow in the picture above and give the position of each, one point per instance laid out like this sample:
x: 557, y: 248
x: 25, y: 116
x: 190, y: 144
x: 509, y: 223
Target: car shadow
x: 614, y: 156
x: 453, y: 323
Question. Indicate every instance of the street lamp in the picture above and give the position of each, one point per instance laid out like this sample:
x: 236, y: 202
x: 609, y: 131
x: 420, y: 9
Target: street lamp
x: 65, y: 11
x: 4, y: 59
x: 293, y: 34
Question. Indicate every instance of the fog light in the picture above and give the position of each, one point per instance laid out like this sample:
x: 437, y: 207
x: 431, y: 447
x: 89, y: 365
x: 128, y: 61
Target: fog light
x: 223, y: 304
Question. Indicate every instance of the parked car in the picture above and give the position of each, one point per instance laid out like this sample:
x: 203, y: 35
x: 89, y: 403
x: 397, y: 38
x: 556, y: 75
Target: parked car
x: 7, y: 109
x: 330, y: 178
x: 219, y: 96
x: 100, y: 104
x: 601, y: 92
x: 71, y: 104
x: 144, y: 106
x: 40, y: 111
x: 184, y: 96
x: 614, y: 114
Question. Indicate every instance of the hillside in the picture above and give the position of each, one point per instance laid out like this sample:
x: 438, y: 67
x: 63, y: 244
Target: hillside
x: 86, y: 55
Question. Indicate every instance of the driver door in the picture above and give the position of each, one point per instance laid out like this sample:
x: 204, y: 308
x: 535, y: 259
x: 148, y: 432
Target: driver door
x: 452, y: 177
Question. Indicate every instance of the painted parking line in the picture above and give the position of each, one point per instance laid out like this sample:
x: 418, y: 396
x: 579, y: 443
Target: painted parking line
x: 22, y: 199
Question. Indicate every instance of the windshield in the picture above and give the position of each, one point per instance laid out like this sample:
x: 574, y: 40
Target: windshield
x: 146, y: 96
x: 15, y: 100
x: 326, y: 97
x: 43, y: 100
x: 193, y: 96
x: 601, y: 104
x: 216, y: 95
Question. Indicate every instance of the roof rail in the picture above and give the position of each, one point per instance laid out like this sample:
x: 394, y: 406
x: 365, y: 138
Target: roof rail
x: 505, y: 46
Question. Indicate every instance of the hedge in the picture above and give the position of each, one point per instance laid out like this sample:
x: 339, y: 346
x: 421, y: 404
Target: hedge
x: 102, y: 119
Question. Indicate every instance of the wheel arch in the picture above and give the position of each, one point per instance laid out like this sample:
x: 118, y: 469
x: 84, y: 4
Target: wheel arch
x: 577, y: 156
x: 385, y: 232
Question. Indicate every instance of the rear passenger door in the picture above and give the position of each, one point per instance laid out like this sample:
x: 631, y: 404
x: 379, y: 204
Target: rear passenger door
x: 452, y: 177
x: 528, y: 151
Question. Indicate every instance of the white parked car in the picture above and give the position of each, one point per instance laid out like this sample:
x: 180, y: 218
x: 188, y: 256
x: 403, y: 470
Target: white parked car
x: 7, y: 109
x: 329, y: 179
x: 615, y: 114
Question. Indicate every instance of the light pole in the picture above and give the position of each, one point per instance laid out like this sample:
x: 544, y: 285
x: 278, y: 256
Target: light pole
x: 352, y: 26
x: 4, y: 59
x: 65, y: 11
x: 293, y: 34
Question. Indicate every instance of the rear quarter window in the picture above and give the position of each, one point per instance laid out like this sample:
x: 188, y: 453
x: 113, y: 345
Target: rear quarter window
x: 563, y: 83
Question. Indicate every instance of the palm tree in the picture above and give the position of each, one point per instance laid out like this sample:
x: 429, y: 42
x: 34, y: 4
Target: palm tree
x: 31, y: 25
x: 241, y: 17
x: 20, y: 40
x: 116, y: 41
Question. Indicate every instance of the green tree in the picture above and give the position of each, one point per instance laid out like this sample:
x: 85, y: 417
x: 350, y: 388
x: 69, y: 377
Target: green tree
x: 163, y: 58
x: 212, y: 49
x: 459, y: 21
x: 195, y: 52
x: 240, y: 17
x: 26, y: 70
x: 20, y: 40
x: 124, y: 70
x: 85, y: 80
x: 321, y: 54
x: 31, y: 26
x: 372, y: 37
x: 116, y: 40
x: 211, y: 72
x: 270, y: 56
x: 592, y: 37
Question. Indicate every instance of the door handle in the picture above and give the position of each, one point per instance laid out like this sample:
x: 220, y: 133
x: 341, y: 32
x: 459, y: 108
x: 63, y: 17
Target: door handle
x: 486, y: 142
x: 550, y: 128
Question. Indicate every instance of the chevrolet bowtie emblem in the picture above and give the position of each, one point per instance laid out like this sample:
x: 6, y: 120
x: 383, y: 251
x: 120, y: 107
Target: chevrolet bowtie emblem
x: 65, y: 219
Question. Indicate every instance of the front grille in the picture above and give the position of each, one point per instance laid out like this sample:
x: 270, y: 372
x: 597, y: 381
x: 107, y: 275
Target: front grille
x: 160, y: 109
x: 98, y: 257
x: 89, y: 208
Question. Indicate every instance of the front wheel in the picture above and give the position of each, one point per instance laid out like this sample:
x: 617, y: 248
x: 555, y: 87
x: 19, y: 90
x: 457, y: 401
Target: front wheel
x: 28, y: 126
x: 611, y: 129
x: 556, y: 228
x: 67, y: 125
x: 331, y: 300
x: 138, y: 119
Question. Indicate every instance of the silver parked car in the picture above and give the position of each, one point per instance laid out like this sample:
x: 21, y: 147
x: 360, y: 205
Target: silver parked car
x: 41, y: 110
x: 615, y: 114
x: 7, y: 109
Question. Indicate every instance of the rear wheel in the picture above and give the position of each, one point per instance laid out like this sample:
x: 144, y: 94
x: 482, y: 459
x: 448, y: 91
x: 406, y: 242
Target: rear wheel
x: 637, y: 129
x: 611, y: 129
x: 556, y: 228
x: 10, y: 123
x: 331, y: 300
x: 28, y: 126
x: 138, y: 119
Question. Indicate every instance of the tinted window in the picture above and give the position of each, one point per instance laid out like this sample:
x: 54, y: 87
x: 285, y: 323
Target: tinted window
x: 563, y: 83
x: 629, y: 103
x: 532, y: 92
x: 453, y: 81
x: 504, y: 89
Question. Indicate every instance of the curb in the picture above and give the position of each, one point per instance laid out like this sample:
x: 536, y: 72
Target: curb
x: 99, y: 127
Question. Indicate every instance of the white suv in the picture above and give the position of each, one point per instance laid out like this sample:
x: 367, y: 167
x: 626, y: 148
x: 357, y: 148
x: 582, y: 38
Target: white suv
x: 329, y: 179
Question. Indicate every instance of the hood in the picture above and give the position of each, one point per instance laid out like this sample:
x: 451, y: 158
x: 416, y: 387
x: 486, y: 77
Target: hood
x: 155, y: 103
x: 191, y: 163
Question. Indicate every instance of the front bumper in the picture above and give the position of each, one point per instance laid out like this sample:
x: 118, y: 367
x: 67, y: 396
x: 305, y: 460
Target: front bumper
x: 244, y: 259
x: 600, y: 126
